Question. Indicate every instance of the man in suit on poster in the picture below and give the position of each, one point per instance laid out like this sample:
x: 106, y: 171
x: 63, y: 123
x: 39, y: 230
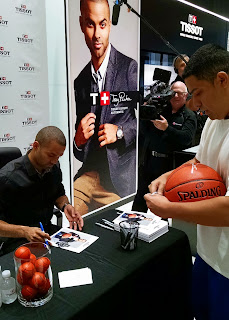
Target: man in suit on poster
x: 105, y: 138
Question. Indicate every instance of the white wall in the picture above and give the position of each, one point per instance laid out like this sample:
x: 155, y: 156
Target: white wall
x: 55, y: 20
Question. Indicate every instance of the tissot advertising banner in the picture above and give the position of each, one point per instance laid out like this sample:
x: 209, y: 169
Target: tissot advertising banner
x: 24, y: 106
x: 103, y: 81
x: 185, y: 27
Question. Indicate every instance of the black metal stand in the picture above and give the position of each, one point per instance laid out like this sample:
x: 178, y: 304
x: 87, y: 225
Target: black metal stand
x: 154, y: 30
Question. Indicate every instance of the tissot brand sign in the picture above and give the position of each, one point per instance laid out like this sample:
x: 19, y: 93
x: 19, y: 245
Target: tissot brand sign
x: 24, y: 96
x: 185, y: 27
x: 23, y: 9
x: 190, y: 29
x: 6, y: 110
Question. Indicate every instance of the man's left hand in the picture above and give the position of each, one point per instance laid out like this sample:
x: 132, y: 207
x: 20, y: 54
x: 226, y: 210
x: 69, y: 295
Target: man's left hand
x: 74, y: 218
x: 161, y: 124
x: 158, y: 204
x: 107, y: 134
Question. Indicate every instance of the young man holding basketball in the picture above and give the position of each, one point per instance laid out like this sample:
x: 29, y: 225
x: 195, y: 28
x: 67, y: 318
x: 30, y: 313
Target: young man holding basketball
x: 207, y: 78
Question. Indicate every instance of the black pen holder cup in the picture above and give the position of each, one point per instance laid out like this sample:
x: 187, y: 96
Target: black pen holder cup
x: 129, y: 234
x: 33, y: 274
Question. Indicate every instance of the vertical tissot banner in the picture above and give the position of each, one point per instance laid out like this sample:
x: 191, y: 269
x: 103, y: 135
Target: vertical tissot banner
x: 24, y: 102
x: 103, y: 84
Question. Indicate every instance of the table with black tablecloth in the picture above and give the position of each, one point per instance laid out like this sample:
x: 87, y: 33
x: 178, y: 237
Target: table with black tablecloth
x: 153, y: 281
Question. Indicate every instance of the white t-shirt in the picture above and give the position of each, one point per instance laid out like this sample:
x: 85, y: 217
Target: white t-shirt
x: 213, y: 242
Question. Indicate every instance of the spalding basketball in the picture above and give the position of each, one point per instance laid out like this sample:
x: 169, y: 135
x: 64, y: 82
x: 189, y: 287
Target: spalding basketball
x: 194, y: 182
x: 38, y: 280
x: 42, y: 264
x: 28, y: 292
x: 22, y: 253
x: 26, y: 270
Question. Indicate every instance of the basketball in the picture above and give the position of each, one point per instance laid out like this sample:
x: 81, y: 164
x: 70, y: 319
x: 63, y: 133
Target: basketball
x: 42, y: 291
x: 194, y: 182
x: 30, y: 283
x: 32, y: 258
x: 42, y: 264
x: 28, y: 292
x: 38, y: 280
x: 21, y: 280
x: 26, y: 270
x: 22, y: 253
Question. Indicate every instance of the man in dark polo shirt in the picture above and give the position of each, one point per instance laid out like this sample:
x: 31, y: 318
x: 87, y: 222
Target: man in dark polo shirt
x: 30, y: 186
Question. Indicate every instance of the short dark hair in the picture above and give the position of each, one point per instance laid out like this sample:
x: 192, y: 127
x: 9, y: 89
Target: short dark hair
x: 82, y: 3
x: 178, y: 59
x: 51, y: 133
x: 206, y: 62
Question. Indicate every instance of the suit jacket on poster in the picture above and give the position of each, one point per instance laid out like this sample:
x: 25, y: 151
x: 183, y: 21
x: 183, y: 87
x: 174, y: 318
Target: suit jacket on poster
x: 121, y: 75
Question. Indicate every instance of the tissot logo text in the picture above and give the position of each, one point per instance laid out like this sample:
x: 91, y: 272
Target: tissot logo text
x: 24, y: 39
x: 29, y: 147
x: 190, y: 29
x: 26, y: 68
x: 5, y: 82
x: 28, y: 95
x: 23, y: 9
x: 3, y: 22
x: 5, y: 110
x: 7, y: 138
x: 29, y: 122
x: 3, y: 52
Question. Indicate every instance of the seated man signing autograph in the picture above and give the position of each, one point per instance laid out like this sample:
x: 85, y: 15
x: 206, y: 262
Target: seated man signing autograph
x: 30, y: 186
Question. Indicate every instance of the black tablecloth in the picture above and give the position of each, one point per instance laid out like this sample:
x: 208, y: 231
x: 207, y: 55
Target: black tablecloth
x: 152, y: 281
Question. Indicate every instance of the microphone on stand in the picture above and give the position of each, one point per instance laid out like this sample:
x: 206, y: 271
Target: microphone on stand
x: 115, y: 12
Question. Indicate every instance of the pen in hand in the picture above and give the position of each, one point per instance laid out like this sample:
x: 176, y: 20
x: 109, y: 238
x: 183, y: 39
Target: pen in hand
x: 42, y: 229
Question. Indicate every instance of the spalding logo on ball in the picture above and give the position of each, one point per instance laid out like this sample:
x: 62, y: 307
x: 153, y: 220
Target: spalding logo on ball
x: 194, y: 182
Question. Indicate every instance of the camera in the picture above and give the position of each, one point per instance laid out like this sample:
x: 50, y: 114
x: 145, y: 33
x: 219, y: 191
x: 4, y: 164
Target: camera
x: 156, y: 102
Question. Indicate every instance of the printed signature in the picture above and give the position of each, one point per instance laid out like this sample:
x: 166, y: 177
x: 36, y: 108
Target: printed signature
x: 120, y: 97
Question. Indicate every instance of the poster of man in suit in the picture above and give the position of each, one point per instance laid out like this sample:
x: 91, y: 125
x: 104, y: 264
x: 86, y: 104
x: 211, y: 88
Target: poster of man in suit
x: 104, y: 101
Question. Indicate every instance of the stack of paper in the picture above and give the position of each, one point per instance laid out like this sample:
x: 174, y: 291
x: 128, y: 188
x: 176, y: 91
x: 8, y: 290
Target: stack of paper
x: 150, y: 226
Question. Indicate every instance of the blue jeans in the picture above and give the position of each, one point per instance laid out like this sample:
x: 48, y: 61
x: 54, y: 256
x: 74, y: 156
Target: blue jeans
x: 210, y: 292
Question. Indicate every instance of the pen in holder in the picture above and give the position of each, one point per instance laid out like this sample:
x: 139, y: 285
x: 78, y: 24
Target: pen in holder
x: 129, y: 234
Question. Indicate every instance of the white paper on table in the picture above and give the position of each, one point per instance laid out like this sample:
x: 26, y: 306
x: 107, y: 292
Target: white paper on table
x: 74, y: 278
x: 72, y: 240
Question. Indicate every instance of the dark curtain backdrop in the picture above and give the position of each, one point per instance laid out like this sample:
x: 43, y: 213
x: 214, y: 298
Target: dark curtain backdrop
x: 165, y: 17
x: 217, y: 6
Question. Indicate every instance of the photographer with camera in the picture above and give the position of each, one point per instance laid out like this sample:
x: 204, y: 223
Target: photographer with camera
x: 171, y: 128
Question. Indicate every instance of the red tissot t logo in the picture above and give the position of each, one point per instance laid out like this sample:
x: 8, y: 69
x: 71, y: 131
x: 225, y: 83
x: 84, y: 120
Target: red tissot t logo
x: 104, y: 98
x: 194, y: 18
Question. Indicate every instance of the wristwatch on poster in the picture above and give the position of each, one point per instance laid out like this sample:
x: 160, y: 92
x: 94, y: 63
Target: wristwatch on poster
x: 62, y: 209
x: 119, y: 133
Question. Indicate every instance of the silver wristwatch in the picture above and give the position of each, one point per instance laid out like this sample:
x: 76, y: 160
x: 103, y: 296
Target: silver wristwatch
x: 119, y: 133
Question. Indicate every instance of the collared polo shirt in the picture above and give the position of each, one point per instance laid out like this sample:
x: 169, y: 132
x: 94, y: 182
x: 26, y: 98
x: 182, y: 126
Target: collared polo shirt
x: 26, y: 197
